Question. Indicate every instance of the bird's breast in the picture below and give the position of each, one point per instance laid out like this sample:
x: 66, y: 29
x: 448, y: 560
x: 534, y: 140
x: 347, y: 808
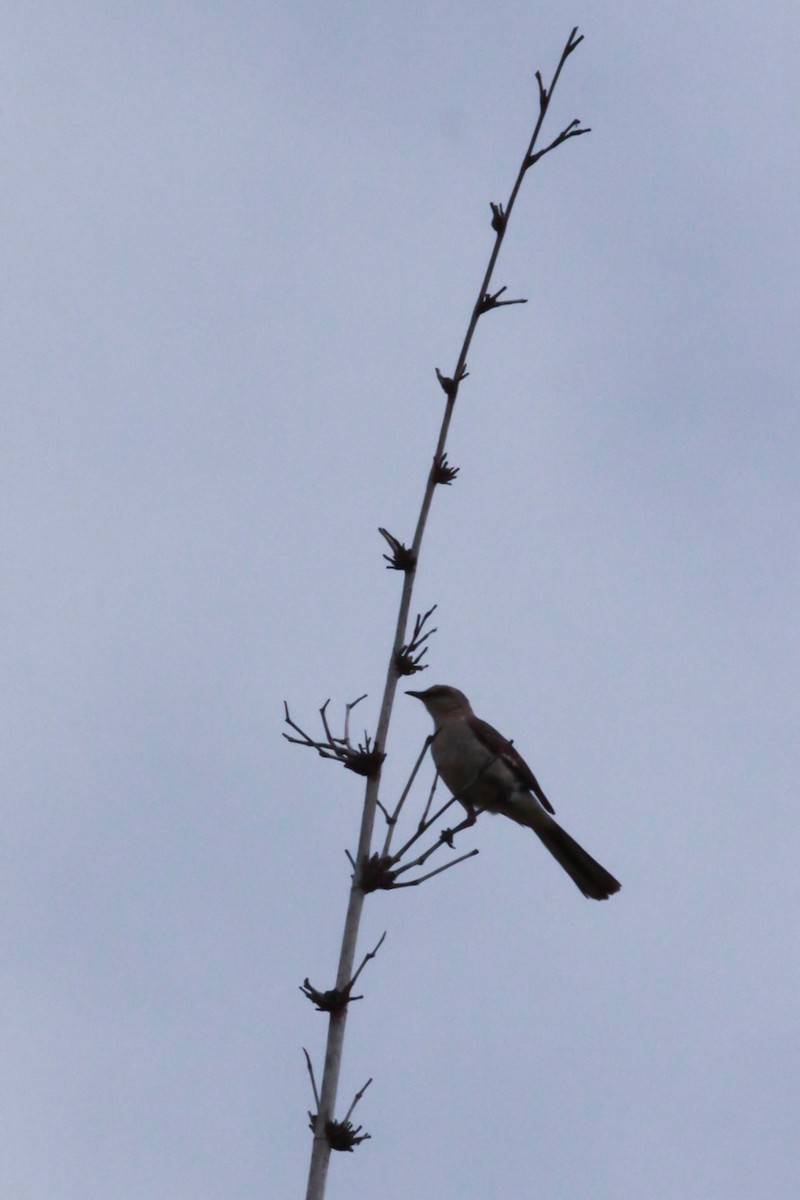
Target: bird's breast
x: 467, y: 767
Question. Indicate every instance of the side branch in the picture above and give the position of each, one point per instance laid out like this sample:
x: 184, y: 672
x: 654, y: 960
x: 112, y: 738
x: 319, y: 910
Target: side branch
x: 339, y: 1135
x: 572, y: 130
x: 409, y: 657
x: 335, y: 999
x: 363, y: 759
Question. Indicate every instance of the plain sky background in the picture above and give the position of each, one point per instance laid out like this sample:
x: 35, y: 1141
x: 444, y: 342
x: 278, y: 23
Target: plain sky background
x: 237, y: 239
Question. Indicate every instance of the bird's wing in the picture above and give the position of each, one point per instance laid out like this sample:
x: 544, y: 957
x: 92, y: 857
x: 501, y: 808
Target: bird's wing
x: 502, y: 748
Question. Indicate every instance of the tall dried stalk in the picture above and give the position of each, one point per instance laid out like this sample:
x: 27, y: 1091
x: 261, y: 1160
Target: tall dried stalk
x: 329, y: 1134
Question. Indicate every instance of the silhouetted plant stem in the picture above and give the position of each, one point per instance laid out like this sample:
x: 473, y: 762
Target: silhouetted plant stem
x: 406, y: 560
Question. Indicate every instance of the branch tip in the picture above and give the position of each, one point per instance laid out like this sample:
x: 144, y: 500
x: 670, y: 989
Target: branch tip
x: 543, y: 96
x: 313, y: 1080
x: 572, y: 42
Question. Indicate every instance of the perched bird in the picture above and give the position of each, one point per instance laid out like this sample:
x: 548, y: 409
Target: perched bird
x: 484, y: 771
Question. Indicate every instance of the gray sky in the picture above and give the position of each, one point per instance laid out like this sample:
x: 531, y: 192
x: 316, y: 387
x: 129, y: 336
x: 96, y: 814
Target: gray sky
x: 238, y: 240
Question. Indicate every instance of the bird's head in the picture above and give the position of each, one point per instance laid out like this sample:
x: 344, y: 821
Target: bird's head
x: 443, y: 701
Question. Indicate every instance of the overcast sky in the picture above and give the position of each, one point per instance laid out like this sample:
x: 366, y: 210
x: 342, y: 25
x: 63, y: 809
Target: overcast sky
x: 238, y: 239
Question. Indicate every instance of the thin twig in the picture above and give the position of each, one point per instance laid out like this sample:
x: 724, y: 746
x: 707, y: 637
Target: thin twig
x: 421, y: 859
x: 356, y: 1099
x: 409, y: 658
x: 387, y: 815
x: 366, y: 959
x: 362, y: 759
x: 324, y: 717
x: 453, y: 863
x: 423, y: 828
x: 348, y: 708
x: 313, y: 1080
x: 429, y: 801
x: 392, y: 820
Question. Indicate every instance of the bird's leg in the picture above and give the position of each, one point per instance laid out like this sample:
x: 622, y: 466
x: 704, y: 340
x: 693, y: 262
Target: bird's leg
x: 447, y: 835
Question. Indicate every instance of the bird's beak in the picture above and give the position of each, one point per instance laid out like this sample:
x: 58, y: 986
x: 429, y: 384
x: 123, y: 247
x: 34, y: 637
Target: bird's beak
x: 416, y: 695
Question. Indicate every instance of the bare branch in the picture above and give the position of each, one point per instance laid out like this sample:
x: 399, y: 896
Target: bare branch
x: 341, y: 1135
x: 356, y: 1099
x: 392, y: 820
x: 363, y: 759
x: 387, y: 815
x: 489, y: 302
x: 409, y: 657
x: 311, y: 1075
x: 444, y: 839
x: 572, y: 43
x: 348, y: 708
x: 337, y: 999
x: 571, y: 131
x: 453, y: 863
x: 423, y: 827
x: 365, y: 960
x: 323, y: 712
x: 429, y: 801
x: 543, y: 97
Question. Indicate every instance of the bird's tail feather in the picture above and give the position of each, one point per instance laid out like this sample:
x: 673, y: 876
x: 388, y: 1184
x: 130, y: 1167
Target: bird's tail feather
x: 593, y: 880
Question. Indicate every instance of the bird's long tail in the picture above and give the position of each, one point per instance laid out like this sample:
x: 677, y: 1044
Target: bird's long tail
x: 593, y: 880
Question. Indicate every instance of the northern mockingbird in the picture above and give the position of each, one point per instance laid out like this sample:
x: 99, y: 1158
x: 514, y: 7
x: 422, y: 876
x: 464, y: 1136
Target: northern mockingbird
x: 484, y: 771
